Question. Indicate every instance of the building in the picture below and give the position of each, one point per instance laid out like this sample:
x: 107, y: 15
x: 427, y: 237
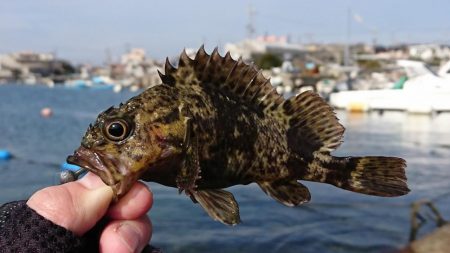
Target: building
x: 31, y: 67
x: 280, y: 46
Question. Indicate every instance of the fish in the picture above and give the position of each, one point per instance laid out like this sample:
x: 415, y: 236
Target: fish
x: 215, y: 122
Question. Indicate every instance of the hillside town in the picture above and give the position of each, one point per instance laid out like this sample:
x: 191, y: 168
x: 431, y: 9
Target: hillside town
x: 293, y: 67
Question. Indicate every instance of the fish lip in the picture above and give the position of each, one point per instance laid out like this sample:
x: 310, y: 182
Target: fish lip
x: 96, y: 163
x: 106, y: 167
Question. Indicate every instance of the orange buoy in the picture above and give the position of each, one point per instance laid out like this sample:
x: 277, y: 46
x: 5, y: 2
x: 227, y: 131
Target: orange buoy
x: 46, y: 112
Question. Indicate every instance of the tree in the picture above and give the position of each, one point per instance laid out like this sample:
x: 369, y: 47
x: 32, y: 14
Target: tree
x: 268, y: 61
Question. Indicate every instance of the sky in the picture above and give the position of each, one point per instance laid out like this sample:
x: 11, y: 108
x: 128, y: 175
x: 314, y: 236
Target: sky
x: 89, y: 30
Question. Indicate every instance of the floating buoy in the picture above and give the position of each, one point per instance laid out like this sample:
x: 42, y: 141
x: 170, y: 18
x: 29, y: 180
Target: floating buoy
x: 5, y: 155
x: 46, y: 112
x: 357, y: 107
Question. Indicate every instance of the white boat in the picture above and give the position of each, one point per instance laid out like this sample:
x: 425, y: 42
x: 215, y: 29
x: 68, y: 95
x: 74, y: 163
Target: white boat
x: 422, y: 92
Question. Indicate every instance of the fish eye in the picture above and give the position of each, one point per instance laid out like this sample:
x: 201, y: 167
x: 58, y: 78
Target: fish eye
x: 117, y: 130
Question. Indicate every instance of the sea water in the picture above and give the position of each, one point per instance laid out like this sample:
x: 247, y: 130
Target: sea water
x: 334, y: 221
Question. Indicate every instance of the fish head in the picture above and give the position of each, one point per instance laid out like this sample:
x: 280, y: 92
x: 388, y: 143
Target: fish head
x: 127, y: 142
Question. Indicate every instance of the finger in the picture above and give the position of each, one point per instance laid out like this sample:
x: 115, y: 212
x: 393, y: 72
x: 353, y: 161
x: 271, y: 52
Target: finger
x: 134, y: 204
x: 124, y: 236
x: 71, y: 205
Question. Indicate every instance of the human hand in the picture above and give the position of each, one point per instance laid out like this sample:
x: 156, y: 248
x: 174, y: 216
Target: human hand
x: 78, y: 206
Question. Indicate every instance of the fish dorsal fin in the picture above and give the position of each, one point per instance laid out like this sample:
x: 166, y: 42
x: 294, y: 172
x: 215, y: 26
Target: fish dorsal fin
x: 233, y: 78
x: 311, y: 124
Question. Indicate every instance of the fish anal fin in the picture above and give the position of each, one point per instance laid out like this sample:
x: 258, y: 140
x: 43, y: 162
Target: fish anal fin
x: 288, y: 193
x: 219, y: 205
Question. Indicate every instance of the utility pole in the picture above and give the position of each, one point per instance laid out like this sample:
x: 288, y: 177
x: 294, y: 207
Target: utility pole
x: 309, y: 38
x: 347, y: 45
x: 374, y: 38
x: 108, y: 55
x: 127, y: 48
x: 347, y: 50
x: 250, y: 27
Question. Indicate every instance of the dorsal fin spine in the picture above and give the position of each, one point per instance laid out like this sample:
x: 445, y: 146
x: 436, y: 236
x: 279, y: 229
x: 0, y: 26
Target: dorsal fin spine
x: 184, y: 59
x: 227, y: 56
x: 208, y: 62
x: 166, y: 79
x: 239, y: 89
x: 233, y: 69
x: 229, y: 81
x: 250, y: 83
x: 215, y: 51
x: 200, y: 53
x: 254, y: 82
x: 168, y: 68
x: 259, y: 91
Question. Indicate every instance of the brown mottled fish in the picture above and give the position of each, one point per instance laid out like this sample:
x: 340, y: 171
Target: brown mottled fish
x: 215, y: 122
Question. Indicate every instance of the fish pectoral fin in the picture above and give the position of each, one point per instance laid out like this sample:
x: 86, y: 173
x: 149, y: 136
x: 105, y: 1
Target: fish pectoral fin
x: 190, y: 170
x: 289, y: 193
x: 219, y: 204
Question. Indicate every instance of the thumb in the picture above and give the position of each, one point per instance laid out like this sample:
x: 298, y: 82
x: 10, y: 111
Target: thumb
x: 72, y: 205
x: 92, y: 206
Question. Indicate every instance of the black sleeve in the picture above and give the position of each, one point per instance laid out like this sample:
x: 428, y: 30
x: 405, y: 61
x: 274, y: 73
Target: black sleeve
x: 23, y: 230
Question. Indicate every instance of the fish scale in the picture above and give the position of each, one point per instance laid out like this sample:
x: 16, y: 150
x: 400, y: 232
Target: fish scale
x: 215, y: 122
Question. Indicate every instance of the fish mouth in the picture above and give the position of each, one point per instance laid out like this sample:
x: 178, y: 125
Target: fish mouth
x: 110, y: 170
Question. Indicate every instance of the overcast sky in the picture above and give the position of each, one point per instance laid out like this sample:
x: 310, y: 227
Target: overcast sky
x: 84, y: 30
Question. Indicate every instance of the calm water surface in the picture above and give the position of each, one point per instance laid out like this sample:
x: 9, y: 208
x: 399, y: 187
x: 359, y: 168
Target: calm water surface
x: 334, y: 221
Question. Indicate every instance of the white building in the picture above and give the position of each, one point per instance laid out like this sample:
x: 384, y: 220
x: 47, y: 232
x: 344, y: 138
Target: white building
x: 135, y: 56
x: 427, y: 52
x: 278, y: 45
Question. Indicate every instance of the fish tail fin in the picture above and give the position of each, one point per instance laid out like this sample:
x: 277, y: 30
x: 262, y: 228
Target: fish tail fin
x: 313, y: 131
x: 372, y: 175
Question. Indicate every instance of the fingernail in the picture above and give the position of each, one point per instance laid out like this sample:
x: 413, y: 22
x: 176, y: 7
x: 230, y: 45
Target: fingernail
x: 129, y: 235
